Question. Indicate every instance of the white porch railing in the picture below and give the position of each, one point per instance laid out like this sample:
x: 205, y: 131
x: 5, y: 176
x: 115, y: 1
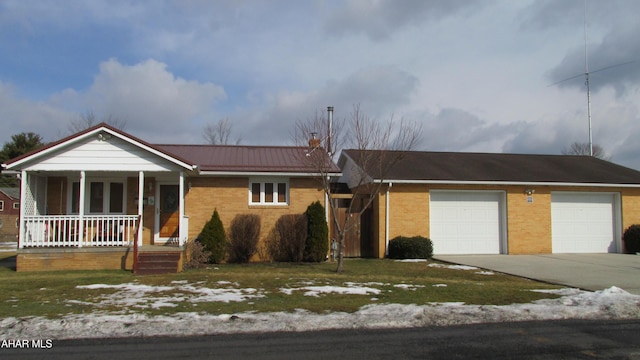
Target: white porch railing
x: 66, y: 230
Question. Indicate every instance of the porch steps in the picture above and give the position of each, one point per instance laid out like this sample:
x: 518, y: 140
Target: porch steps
x: 157, y: 263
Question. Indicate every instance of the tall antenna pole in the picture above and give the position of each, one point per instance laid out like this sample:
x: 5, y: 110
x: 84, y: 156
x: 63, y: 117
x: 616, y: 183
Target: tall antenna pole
x: 330, y: 129
x: 586, y: 73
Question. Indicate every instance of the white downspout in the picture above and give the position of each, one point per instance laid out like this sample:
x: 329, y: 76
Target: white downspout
x: 182, y: 231
x: 140, y: 205
x: 386, y: 227
x: 81, y: 209
x: 23, y: 198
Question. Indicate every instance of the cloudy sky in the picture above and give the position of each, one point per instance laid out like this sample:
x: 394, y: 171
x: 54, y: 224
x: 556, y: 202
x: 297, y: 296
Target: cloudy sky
x: 475, y: 73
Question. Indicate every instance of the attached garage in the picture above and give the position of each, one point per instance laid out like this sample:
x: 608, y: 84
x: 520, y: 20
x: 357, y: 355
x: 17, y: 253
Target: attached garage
x: 466, y: 222
x: 489, y: 203
x: 585, y: 222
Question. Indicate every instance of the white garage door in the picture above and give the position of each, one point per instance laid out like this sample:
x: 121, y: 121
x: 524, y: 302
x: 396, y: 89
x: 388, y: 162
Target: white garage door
x: 583, y: 223
x: 465, y: 222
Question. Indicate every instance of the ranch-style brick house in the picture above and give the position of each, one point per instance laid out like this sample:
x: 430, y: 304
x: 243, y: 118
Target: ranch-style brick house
x: 86, y: 199
x: 486, y: 203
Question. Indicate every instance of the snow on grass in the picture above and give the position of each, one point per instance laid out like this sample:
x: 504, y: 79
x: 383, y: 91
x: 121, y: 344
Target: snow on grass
x: 485, y: 272
x: 133, y: 295
x: 315, y: 291
x: 453, y: 267
x: 408, y: 286
x: 612, y: 303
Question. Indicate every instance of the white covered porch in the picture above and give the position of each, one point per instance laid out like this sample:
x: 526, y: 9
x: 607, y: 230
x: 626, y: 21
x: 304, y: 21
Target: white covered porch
x: 83, y: 209
x: 101, y: 187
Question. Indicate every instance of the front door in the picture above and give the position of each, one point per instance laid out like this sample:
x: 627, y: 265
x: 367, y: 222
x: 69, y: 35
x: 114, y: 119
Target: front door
x: 169, y: 214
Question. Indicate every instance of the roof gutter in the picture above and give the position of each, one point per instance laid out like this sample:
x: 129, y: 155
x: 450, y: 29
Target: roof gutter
x: 265, y: 173
x: 531, y: 183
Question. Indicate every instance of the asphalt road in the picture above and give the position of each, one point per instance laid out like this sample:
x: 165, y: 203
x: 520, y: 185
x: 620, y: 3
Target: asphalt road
x: 568, y: 339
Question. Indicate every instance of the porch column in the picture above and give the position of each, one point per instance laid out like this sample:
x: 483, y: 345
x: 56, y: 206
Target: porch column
x: 182, y: 231
x: 83, y: 187
x: 140, y: 206
x: 23, y: 198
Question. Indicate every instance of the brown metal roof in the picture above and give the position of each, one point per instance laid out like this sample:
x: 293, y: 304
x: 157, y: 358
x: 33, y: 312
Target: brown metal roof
x: 493, y: 167
x: 238, y: 158
x: 222, y: 158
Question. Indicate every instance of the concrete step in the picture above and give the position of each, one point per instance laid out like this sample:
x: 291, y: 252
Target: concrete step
x: 157, y: 263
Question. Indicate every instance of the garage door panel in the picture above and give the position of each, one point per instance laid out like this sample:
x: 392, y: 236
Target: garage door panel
x: 583, y: 223
x: 465, y: 222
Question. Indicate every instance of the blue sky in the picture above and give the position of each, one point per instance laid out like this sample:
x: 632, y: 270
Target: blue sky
x: 474, y: 73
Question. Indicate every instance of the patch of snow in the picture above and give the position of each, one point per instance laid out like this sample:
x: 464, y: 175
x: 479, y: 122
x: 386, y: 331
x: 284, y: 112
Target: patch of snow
x: 562, y: 292
x: 485, y: 272
x: 412, y: 260
x: 408, y: 286
x: 315, y: 291
x: 439, y: 285
x: 454, y: 267
x: 132, y: 295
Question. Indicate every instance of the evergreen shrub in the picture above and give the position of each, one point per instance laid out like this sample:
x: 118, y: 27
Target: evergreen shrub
x: 317, y: 242
x: 417, y: 247
x: 214, y: 239
x: 631, y: 239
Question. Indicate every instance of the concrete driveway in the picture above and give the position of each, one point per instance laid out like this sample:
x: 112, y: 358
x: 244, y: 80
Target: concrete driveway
x: 585, y: 271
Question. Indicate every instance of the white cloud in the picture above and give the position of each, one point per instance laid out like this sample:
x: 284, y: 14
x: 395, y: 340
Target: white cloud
x: 476, y: 74
x: 18, y: 115
x: 153, y: 100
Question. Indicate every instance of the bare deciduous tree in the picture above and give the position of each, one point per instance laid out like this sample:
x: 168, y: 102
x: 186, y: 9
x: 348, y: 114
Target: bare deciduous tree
x: 578, y: 148
x: 219, y: 133
x: 390, y: 139
x: 89, y: 119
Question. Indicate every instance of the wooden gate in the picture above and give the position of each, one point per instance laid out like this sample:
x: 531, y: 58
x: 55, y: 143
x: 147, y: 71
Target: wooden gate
x: 357, y: 240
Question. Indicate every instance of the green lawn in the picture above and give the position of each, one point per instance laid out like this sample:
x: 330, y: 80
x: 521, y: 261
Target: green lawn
x: 268, y: 287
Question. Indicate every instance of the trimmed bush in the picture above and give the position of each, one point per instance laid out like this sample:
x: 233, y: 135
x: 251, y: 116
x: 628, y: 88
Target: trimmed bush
x: 631, y: 239
x: 416, y: 247
x: 287, y: 240
x: 244, y: 234
x: 214, y: 239
x: 195, y: 255
x: 317, y: 242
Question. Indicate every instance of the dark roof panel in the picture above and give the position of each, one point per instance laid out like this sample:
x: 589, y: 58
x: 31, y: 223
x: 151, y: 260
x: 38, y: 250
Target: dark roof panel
x: 494, y: 167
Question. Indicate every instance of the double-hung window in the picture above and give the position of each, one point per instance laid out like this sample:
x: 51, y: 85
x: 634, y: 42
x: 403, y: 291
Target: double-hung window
x: 268, y: 192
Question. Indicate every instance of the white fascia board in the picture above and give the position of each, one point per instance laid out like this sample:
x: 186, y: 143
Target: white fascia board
x: 525, y: 183
x: 187, y: 166
x: 62, y: 145
x: 261, y: 173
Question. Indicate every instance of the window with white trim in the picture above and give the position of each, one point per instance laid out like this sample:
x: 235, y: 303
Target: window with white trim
x: 269, y: 192
x: 102, y: 197
x: 1, y: 205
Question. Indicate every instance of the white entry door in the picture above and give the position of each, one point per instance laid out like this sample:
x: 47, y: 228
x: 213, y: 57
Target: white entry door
x: 466, y: 222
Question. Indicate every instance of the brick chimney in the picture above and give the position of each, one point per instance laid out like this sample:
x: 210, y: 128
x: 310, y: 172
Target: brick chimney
x: 314, y: 142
